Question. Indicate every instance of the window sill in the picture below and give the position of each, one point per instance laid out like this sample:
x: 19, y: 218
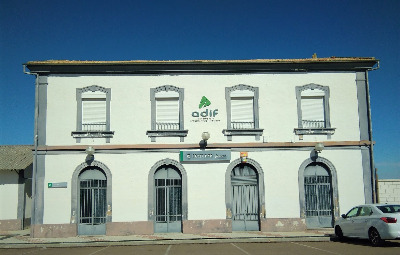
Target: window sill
x: 166, y: 133
x: 314, y: 131
x: 92, y: 134
x: 257, y: 132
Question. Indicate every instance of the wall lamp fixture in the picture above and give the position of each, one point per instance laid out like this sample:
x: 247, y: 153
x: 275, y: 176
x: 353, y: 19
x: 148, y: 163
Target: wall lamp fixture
x: 319, y: 147
x: 90, y: 153
x: 203, y: 143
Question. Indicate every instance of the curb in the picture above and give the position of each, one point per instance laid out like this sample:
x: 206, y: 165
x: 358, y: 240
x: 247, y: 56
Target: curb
x: 167, y: 242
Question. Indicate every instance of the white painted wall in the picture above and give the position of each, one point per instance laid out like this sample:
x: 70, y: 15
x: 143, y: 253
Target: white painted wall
x: 57, y: 201
x: 206, y: 191
x: 131, y: 118
x: 8, y: 195
x: 282, y: 186
x: 206, y: 183
x: 131, y: 107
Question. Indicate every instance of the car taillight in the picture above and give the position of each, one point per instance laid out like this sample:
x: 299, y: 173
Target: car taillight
x: 389, y: 219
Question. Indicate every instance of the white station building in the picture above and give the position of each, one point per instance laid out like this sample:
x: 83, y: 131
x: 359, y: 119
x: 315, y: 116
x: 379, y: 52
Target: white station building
x: 140, y: 147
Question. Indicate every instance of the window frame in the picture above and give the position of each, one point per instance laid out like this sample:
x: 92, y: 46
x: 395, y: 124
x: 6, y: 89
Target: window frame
x: 229, y: 131
x: 153, y: 133
x: 327, y: 129
x: 80, y: 133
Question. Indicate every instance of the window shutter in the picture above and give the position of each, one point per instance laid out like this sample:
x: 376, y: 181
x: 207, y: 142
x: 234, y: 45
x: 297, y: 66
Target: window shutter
x: 312, y: 111
x: 167, y: 110
x: 242, y: 93
x: 242, y: 110
x: 312, y: 108
x: 94, y: 95
x: 94, y: 111
x: 312, y: 93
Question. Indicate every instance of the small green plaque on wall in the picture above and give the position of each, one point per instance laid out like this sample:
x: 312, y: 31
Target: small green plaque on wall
x: 56, y: 185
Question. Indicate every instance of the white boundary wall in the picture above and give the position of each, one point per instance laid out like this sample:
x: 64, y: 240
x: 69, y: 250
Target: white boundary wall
x: 389, y: 191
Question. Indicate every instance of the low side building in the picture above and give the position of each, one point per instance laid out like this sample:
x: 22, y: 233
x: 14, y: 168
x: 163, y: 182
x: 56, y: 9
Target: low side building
x: 15, y: 187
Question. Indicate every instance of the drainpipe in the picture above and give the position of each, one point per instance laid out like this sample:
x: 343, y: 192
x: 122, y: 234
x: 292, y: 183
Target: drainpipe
x: 34, y: 170
x: 371, y: 150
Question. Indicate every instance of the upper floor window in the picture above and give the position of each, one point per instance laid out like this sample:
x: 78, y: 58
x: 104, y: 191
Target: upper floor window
x: 313, y: 110
x: 93, y: 113
x: 167, y: 110
x: 242, y: 111
x: 167, y: 113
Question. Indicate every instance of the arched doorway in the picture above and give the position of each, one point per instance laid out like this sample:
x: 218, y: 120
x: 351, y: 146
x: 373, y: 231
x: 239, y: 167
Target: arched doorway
x: 92, y: 201
x: 168, y: 199
x: 318, y: 196
x: 245, y: 198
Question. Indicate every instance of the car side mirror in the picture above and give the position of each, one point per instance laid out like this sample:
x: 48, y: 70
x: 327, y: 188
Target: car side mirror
x: 344, y: 216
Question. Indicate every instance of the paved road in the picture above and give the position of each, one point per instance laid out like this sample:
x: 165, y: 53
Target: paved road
x: 350, y: 247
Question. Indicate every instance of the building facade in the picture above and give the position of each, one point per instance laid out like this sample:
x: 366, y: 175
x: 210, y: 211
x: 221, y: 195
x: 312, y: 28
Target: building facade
x: 137, y: 147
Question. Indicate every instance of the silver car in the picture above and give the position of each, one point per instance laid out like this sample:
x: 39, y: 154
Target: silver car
x: 376, y: 222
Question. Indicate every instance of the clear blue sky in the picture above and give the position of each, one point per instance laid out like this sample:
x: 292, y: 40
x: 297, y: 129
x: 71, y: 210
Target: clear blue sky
x: 207, y: 29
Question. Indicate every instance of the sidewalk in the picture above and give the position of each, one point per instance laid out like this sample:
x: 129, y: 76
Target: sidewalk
x: 21, y: 239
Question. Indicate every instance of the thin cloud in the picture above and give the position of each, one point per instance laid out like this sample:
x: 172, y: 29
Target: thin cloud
x: 387, y: 164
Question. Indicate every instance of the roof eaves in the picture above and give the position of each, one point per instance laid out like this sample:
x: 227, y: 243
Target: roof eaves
x: 249, y: 61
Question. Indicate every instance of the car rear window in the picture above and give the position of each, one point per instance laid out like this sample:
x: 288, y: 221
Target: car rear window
x: 389, y: 208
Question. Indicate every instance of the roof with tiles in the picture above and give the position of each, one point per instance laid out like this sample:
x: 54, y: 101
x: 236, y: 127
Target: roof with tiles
x: 15, y: 157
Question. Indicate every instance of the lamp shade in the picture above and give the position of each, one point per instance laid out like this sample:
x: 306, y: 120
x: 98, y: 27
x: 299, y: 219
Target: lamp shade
x: 205, y: 136
x: 90, y: 150
x: 319, y: 147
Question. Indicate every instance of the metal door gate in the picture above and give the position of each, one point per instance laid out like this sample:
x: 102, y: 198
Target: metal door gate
x: 318, y: 197
x: 93, y: 203
x: 245, y: 204
x: 168, y: 196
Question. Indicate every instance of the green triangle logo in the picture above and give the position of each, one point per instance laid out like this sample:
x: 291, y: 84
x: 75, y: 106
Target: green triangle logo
x: 204, y: 102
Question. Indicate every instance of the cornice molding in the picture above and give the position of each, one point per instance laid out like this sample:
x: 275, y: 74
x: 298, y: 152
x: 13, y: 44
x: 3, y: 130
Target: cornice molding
x: 327, y: 144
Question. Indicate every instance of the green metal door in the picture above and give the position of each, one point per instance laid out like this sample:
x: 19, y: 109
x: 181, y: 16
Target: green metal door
x: 92, y: 202
x: 245, y: 199
x: 168, y: 199
x: 318, y: 197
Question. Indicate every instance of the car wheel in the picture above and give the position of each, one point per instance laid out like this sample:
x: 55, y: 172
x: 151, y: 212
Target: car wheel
x: 374, y: 237
x: 338, y: 232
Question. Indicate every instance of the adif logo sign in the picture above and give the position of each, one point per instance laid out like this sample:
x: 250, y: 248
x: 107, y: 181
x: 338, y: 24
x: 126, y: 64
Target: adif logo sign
x: 204, y: 102
x: 207, y: 114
